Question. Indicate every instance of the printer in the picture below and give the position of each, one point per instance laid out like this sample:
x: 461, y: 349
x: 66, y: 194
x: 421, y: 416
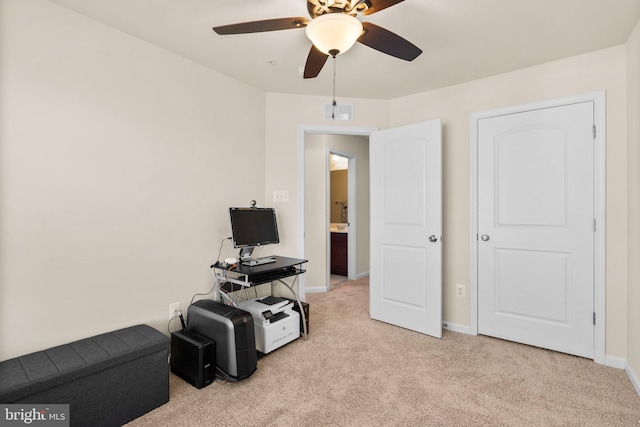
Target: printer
x: 275, y: 321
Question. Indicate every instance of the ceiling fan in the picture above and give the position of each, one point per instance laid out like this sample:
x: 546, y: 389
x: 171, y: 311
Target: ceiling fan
x: 333, y: 29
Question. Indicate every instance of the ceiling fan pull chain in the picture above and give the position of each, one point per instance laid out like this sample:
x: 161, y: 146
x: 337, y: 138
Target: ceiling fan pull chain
x: 333, y: 108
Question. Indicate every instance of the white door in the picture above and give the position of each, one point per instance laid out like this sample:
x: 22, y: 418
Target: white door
x: 536, y: 227
x: 405, y: 273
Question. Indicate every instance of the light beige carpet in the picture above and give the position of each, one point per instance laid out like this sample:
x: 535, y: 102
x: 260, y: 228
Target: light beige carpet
x: 354, y: 371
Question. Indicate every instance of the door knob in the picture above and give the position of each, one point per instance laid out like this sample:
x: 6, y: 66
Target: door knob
x: 433, y: 238
x: 484, y: 237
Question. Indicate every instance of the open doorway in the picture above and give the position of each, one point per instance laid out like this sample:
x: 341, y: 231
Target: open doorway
x: 339, y: 200
x: 315, y: 146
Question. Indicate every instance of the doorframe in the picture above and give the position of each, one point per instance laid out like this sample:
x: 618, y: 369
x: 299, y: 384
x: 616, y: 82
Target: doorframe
x: 352, y: 213
x: 599, y: 189
x: 302, y: 131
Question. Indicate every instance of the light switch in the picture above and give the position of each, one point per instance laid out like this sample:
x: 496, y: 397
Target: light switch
x: 281, y: 195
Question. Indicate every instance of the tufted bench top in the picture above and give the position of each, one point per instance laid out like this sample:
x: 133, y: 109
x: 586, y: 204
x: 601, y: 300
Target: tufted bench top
x: 30, y: 374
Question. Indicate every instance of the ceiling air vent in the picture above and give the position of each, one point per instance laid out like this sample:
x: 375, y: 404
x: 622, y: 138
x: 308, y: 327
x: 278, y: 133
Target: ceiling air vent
x: 338, y: 111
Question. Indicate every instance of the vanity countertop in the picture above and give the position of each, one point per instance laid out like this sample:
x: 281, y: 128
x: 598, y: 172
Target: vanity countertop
x: 339, y: 227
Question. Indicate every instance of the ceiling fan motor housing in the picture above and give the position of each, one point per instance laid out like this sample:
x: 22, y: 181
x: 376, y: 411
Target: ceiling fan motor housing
x: 351, y: 7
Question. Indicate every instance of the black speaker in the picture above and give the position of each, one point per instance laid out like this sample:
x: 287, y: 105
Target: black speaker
x: 193, y: 358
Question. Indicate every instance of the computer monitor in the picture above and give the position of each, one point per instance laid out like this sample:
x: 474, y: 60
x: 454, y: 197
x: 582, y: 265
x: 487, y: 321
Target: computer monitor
x: 253, y: 227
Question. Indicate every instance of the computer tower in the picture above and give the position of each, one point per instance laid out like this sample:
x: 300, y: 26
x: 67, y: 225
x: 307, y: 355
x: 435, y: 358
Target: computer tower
x: 232, y: 330
x: 193, y: 358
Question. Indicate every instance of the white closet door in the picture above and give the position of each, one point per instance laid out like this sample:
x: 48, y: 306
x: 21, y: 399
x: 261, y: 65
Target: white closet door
x: 536, y: 227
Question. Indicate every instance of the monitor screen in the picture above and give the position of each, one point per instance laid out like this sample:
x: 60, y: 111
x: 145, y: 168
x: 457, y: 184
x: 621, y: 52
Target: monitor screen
x: 253, y: 227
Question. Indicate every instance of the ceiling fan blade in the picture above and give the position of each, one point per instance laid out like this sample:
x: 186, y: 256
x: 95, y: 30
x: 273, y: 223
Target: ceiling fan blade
x: 387, y: 42
x: 262, y: 26
x: 378, y: 5
x: 315, y: 62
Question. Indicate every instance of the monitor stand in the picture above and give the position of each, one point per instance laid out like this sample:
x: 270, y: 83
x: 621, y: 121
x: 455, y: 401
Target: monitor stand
x: 245, y: 258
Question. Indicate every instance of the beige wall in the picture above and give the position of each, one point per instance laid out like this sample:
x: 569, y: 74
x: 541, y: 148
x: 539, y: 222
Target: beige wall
x: 118, y: 161
x: 601, y: 70
x: 339, y: 192
x: 633, y: 105
x: 315, y: 208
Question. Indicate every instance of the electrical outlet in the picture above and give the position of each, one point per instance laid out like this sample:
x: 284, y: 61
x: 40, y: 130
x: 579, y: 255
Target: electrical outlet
x: 281, y: 195
x: 173, y: 309
x: 461, y: 291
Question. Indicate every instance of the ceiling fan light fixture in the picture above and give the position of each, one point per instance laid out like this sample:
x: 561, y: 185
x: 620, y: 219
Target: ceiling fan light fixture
x: 334, y: 33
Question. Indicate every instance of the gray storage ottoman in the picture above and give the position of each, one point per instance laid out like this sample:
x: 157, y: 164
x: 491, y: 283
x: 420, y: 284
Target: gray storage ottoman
x: 108, y: 380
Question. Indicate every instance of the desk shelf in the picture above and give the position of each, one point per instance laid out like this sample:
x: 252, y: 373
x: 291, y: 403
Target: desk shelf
x: 270, y: 276
x: 233, y: 284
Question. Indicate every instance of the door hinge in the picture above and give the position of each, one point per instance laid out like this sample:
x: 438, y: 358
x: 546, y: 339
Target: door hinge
x: 594, y: 131
x: 594, y: 317
x: 594, y: 225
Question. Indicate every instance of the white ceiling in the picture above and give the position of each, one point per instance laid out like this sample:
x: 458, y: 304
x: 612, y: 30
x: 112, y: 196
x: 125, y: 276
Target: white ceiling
x: 462, y: 40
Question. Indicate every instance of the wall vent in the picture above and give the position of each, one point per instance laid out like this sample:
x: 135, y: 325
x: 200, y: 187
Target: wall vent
x: 339, y: 112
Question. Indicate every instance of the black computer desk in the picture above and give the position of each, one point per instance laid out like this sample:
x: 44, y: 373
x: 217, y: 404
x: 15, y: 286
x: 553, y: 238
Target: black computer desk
x: 244, y: 276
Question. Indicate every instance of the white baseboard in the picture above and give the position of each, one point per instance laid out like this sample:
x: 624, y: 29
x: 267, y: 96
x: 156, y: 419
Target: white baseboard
x: 615, y: 362
x: 633, y: 377
x: 361, y: 275
x: 315, y: 290
x: 456, y: 328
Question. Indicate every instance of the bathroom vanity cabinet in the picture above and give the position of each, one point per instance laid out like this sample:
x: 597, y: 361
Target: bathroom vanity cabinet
x: 339, y: 254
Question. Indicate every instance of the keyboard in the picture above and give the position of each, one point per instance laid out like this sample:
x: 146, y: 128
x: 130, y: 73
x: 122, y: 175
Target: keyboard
x: 258, y: 261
